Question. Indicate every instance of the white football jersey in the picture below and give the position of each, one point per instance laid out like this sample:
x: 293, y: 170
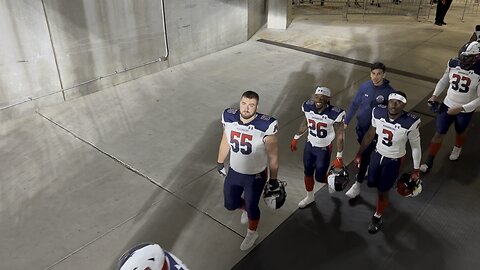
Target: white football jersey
x: 463, y: 86
x: 320, y: 125
x: 393, y: 135
x: 248, y: 154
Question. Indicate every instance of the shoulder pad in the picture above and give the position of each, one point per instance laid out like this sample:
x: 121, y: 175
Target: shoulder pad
x: 337, y: 109
x: 265, y: 117
x: 413, y: 116
x: 231, y: 111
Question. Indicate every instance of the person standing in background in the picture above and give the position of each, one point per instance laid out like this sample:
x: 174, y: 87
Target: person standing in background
x: 371, y: 93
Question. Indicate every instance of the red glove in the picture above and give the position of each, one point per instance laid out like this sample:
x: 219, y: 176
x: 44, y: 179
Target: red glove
x: 357, y: 160
x: 415, y: 174
x: 338, y: 163
x: 293, y: 145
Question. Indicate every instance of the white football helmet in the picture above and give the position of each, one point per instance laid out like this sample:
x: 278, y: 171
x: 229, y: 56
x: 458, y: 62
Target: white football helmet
x: 143, y: 256
x: 337, y: 178
x: 469, y: 55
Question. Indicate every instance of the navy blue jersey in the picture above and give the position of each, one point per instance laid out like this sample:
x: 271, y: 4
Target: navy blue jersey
x: 368, y: 96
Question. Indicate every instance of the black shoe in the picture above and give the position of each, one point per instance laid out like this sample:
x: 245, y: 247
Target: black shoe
x: 438, y: 23
x: 444, y: 23
x: 375, y: 225
x: 378, y: 4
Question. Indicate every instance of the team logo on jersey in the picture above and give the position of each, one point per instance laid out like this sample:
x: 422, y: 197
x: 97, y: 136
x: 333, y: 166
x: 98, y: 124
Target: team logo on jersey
x: 265, y: 117
x: 336, y: 109
x: 398, y: 126
x: 380, y: 99
x: 232, y: 111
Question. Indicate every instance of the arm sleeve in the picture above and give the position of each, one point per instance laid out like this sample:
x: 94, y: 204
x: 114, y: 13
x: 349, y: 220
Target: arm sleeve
x: 353, y: 107
x: 373, y: 118
x: 473, y: 105
x: 414, y: 138
x: 443, y: 83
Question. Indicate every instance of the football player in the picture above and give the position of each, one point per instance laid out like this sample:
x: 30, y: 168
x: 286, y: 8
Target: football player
x: 371, y: 93
x: 250, y: 138
x: 394, y: 127
x: 462, y: 77
x: 324, y: 123
x: 149, y: 256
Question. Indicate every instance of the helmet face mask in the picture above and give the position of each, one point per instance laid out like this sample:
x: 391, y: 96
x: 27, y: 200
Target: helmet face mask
x: 407, y: 187
x: 338, y: 179
x: 275, y: 195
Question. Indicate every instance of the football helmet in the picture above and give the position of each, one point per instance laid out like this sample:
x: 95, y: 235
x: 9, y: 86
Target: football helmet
x: 337, y: 178
x: 143, y: 256
x: 408, y: 187
x: 469, y: 55
x: 274, y: 194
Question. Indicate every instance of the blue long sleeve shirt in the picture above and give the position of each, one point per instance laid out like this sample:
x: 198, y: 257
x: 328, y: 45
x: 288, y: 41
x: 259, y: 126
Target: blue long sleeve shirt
x: 368, y: 97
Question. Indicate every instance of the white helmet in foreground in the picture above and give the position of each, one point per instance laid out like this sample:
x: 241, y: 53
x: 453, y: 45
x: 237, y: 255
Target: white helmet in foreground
x: 149, y: 257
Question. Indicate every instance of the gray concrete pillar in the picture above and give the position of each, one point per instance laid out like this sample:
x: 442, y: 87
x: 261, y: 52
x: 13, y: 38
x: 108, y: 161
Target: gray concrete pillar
x: 279, y: 14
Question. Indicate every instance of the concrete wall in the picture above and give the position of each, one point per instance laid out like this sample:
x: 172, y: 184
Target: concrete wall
x: 257, y: 15
x: 83, y: 46
x: 27, y: 66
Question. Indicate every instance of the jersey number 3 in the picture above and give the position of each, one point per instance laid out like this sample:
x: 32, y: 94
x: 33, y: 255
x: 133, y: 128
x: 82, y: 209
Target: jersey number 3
x: 241, y: 142
x: 460, y: 83
x: 317, y: 129
x: 387, y: 140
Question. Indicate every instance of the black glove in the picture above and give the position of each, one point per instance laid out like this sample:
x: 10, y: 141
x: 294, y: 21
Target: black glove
x: 434, y: 106
x: 273, y: 184
x: 221, y: 169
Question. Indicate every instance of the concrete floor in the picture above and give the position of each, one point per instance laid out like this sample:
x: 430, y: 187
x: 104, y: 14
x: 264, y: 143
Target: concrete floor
x: 85, y: 180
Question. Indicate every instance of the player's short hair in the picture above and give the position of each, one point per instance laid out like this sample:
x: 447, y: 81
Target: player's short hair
x: 251, y: 95
x: 378, y: 65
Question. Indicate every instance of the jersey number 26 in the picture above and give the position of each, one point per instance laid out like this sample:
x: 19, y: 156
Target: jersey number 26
x: 317, y: 129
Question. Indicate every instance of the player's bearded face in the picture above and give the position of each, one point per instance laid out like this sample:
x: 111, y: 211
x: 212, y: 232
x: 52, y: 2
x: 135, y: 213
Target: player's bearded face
x: 395, y: 107
x: 377, y: 76
x: 248, y: 107
x: 321, y: 101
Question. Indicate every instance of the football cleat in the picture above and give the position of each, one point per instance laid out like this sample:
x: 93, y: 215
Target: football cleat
x: 375, y: 224
x: 249, y: 240
x: 455, y: 154
x: 244, y: 217
x: 354, y: 191
x: 307, y: 200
